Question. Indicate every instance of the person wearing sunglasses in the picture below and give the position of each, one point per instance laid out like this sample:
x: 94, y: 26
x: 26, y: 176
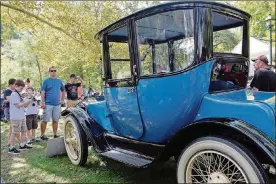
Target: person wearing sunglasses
x: 52, y: 96
x: 264, y: 78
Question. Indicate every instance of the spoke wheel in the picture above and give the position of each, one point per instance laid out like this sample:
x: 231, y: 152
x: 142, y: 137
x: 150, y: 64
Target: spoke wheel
x: 214, y: 167
x: 71, y: 141
x: 75, y: 141
x: 217, y: 160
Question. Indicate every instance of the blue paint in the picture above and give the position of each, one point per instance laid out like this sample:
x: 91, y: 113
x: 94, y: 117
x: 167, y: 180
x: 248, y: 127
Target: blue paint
x: 123, y: 108
x: 254, y: 108
x: 98, y: 112
x: 169, y: 103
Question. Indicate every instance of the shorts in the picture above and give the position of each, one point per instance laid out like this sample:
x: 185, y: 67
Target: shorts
x: 72, y: 103
x: 7, y: 113
x: 18, y: 126
x: 31, y: 121
x: 51, y: 112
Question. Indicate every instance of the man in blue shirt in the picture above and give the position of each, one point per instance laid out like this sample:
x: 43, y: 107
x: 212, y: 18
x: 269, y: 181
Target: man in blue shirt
x: 51, y: 90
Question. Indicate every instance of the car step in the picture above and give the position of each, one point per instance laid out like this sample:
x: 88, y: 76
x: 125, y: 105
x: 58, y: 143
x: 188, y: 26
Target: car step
x: 129, y: 158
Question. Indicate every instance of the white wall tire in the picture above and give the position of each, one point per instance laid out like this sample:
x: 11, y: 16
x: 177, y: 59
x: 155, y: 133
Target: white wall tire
x: 75, y: 141
x: 216, y: 160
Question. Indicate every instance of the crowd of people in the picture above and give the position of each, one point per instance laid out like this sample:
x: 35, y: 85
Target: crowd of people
x: 21, y: 108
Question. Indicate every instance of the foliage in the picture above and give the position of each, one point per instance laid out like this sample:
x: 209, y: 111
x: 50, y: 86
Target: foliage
x: 226, y: 40
x: 44, y: 33
x: 62, y: 34
x: 259, y: 10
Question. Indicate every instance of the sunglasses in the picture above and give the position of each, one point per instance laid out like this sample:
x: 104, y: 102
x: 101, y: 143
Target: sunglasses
x: 53, y: 70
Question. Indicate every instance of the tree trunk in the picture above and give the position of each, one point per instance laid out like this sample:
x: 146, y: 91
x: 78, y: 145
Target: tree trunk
x: 39, y: 70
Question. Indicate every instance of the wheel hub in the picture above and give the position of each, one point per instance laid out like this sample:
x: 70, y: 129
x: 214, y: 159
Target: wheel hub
x: 218, y: 177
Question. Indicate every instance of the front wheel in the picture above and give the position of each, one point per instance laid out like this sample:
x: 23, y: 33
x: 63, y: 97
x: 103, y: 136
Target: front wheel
x: 216, y: 160
x: 75, y: 141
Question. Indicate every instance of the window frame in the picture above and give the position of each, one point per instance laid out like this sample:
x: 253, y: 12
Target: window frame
x: 134, y: 46
x: 193, y: 8
x: 245, y: 32
x: 109, y: 81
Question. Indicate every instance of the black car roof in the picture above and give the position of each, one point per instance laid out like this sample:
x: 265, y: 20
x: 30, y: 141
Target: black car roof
x: 172, y: 4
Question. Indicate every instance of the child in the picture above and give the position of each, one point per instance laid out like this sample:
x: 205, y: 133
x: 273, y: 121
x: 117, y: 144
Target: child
x: 31, y: 116
x: 7, y: 94
x: 17, y: 117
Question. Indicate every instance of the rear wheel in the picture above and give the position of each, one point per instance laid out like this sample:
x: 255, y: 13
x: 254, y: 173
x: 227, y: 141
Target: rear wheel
x: 216, y: 160
x: 75, y: 141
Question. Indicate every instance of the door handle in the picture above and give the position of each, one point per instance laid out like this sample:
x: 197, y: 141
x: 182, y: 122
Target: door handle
x: 131, y: 90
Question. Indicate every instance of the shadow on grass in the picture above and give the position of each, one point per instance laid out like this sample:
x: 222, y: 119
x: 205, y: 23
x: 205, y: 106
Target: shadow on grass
x: 34, y: 166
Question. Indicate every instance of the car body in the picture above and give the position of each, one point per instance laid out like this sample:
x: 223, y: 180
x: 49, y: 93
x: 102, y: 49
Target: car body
x: 168, y: 93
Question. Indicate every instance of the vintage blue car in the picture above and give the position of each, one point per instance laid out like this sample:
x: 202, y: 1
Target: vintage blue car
x: 172, y: 90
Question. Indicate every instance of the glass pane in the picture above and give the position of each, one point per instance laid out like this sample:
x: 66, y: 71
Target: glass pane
x: 146, y: 59
x: 120, y: 69
x: 118, y: 50
x: 155, y: 33
x: 119, y: 59
x: 119, y: 53
x: 184, y: 53
x: 162, y: 58
x: 228, y: 40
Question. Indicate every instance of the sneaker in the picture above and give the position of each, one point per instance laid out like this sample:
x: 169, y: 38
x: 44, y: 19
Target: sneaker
x: 34, y: 140
x: 44, y: 138
x: 25, y: 147
x: 30, y: 141
x: 56, y: 136
x: 14, y: 151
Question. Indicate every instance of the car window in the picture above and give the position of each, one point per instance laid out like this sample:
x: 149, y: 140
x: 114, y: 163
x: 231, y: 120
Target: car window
x: 184, y: 53
x: 166, y: 42
x: 228, y: 40
x: 229, y: 74
x: 119, y: 56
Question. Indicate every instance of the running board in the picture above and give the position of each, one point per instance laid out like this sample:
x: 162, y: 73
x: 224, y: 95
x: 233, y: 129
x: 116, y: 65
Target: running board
x: 129, y: 158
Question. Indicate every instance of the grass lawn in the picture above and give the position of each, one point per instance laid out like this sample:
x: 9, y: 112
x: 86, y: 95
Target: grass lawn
x: 33, y: 166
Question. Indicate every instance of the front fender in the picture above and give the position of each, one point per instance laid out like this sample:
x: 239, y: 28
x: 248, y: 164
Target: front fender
x: 89, y: 125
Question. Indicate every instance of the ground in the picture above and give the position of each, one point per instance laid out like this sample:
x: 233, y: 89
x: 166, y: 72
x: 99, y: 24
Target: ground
x: 34, y: 167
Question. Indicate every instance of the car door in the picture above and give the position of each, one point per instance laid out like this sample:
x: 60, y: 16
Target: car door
x: 120, y: 90
x: 170, y: 88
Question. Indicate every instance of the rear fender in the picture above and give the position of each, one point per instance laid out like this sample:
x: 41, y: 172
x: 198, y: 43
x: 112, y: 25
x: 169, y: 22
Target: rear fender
x: 258, y: 143
x: 260, y: 139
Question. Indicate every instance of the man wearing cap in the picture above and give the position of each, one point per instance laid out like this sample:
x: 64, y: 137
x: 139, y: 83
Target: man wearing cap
x: 264, y: 79
x: 71, y: 89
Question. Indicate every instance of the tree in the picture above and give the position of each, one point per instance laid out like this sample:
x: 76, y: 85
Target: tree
x: 259, y: 10
x: 60, y: 34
